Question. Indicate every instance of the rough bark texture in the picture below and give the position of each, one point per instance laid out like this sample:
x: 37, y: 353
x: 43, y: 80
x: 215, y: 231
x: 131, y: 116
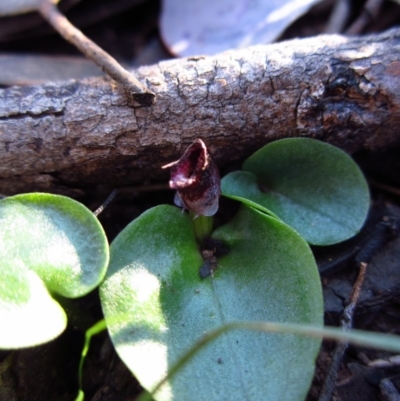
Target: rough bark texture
x: 345, y: 91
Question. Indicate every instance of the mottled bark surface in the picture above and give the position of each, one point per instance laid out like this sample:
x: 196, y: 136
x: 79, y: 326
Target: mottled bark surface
x: 345, y: 91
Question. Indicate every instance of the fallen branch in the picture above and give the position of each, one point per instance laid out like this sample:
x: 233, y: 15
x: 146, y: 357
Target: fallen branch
x: 345, y: 91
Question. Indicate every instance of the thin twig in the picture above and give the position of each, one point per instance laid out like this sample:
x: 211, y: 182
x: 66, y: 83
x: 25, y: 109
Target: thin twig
x: 384, y: 187
x: 135, y: 89
x: 390, y: 362
x: 346, y: 324
x: 369, y: 13
x: 105, y: 203
x: 339, y: 17
x: 388, y: 390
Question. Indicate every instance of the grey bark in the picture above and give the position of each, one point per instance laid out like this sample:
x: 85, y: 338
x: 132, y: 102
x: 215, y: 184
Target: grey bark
x: 345, y: 91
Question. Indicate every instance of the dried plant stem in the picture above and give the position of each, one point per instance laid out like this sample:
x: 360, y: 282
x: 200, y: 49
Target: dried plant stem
x: 339, y: 17
x: 135, y: 89
x: 346, y: 324
x: 388, y: 390
x: 106, y: 203
x: 392, y: 361
x: 387, y: 188
x: 368, y: 14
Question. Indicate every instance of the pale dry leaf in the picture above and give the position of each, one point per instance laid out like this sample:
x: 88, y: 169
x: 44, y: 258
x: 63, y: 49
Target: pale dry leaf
x: 194, y: 27
x: 13, y: 7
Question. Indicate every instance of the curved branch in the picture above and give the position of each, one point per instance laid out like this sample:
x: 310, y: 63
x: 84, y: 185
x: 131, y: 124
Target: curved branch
x: 345, y: 91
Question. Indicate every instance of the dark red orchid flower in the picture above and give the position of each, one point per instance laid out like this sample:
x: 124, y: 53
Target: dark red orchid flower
x: 195, y: 176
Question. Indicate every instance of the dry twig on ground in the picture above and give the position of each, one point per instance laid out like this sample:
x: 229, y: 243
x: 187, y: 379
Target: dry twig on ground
x: 340, y: 349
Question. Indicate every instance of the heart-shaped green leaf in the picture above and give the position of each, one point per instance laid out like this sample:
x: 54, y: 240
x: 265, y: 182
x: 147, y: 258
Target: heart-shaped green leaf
x: 314, y: 187
x: 156, y: 306
x: 28, y: 314
x: 48, y: 244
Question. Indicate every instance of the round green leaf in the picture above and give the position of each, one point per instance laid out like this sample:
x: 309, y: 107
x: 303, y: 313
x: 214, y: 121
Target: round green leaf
x: 314, y: 187
x: 48, y: 244
x: 156, y: 306
x: 243, y: 187
x: 28, y: 314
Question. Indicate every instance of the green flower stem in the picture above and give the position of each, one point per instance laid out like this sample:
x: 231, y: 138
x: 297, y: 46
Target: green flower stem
x: 388, y: 342
x: 202, y: 226
x: 92, y: 331
x: 95, y: 329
